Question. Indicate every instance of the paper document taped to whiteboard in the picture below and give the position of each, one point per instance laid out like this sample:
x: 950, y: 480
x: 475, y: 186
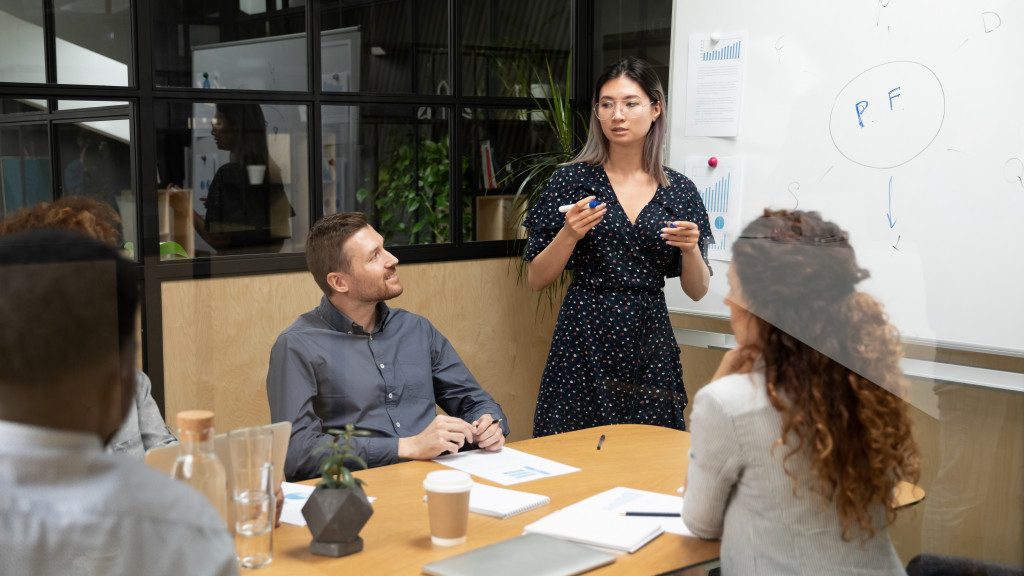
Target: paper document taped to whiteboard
x: 721, y: 190
x: 714, y: 84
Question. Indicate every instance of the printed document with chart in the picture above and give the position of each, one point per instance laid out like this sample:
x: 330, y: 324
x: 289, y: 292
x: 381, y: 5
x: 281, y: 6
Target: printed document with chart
x: 721, y: 190
x: 506, y: 466
x: 714, y: 84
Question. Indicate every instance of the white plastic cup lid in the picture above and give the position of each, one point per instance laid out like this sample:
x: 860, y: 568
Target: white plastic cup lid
x: 447, y: 481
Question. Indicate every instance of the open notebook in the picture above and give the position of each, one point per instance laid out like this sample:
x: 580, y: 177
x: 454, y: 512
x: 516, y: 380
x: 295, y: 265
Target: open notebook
x: 601, y: 528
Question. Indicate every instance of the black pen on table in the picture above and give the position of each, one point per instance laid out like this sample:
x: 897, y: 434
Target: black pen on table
x: 600, y: 441
x: 665, y: 514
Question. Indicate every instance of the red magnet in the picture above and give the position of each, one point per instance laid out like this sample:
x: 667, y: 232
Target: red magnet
x: 712, y: 161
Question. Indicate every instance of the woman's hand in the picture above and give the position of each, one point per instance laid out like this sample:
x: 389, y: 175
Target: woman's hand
x: 581, y: 218
x: 681, y: 234
x: 736, y: 361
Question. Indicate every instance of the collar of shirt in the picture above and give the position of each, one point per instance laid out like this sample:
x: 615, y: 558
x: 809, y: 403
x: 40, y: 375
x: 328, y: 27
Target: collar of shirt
x: 342, y: 323
x: 25, y: 435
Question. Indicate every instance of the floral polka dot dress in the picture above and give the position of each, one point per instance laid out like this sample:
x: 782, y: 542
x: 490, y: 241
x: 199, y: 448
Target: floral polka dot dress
x: 614, y: 357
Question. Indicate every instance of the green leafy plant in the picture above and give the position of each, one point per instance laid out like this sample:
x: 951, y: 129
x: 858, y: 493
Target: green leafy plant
x: 413, y: 195
x: 333, y: 470
x: 168, y: 250
x: 533, y: 171
x: 171, y: 250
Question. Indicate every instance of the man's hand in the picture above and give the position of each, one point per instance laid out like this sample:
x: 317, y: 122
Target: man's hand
x: 487, y: 433
x: 444, y: 434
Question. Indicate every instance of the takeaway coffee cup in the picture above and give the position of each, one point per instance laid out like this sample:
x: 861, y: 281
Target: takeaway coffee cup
x: 448, y: 506
x: 256, y: 172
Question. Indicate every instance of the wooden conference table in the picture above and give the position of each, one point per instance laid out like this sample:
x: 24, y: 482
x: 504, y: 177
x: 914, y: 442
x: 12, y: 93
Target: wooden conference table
x: 397, y: 537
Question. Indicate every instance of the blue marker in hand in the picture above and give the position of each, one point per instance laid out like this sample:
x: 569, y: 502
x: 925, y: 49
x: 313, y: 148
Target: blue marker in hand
x: 567, y: 207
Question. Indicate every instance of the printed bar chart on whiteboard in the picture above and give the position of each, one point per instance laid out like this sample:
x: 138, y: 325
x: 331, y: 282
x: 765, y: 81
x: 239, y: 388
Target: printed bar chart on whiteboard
x: 721, y: 190
x: 715, y: 72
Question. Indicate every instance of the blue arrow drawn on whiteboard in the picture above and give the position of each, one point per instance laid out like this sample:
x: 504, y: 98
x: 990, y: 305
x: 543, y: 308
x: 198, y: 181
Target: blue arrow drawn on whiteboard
x: 888, y: 215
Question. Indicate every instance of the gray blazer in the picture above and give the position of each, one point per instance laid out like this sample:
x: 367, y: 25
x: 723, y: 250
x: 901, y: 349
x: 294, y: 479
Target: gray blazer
x: 143, y: 427
x: 738, y: 491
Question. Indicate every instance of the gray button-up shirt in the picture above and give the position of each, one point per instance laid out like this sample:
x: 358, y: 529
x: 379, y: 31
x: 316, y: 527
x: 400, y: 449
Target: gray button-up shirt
x: 326, y: 371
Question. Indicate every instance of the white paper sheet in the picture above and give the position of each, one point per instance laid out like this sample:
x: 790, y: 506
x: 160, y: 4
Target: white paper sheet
x: 506, y: 467
x: 620, y: 500
x: 714, y: 84
x: 721, y: 190
x: 295, y: 496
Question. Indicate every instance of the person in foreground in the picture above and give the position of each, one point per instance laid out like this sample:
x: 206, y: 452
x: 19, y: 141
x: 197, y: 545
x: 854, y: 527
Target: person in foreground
x: 631, y: 222
x: 68, y: 305
x: 144, y: 427
x: 352, y: 359
x: 798, y: 443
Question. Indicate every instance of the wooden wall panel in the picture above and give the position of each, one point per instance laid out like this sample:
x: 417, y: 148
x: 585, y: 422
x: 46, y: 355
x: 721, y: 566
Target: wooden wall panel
x: 218, y: 334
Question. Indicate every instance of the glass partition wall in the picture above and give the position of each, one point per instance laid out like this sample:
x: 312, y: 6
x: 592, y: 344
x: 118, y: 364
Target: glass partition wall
x: 220, y: 131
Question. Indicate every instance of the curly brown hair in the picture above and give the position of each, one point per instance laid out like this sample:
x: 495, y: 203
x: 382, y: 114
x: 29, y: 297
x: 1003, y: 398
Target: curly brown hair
x: 832, y: 362
x: 84, y: 214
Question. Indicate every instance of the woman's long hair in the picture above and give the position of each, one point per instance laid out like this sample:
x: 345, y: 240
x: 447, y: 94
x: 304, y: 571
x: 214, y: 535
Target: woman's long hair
x: 832, y: 363
x: 251, y: 146
x: 595, y: 151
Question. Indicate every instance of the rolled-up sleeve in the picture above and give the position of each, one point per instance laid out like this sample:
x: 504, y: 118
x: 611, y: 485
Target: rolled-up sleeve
x: 714, y: 468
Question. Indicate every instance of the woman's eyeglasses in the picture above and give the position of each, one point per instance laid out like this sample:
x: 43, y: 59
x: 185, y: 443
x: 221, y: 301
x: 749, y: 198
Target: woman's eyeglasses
x: 631, y: 108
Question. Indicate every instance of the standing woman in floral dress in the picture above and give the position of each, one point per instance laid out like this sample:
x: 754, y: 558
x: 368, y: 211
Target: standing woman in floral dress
x: 630, y: 223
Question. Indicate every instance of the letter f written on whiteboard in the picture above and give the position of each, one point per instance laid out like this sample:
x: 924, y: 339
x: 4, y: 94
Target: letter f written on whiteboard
x: 891, y: 95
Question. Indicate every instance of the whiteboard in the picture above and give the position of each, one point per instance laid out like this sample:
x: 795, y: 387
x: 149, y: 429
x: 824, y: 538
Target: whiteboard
x: 936, y: 218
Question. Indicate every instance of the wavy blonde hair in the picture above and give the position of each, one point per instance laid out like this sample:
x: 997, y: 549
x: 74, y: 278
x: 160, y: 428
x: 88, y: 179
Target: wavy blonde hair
x: 832, y: 363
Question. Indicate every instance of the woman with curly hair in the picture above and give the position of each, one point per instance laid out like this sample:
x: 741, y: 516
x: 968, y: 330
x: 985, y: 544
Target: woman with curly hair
x: 84, y: 214
x: 798, y: 443
x: 143, y: 427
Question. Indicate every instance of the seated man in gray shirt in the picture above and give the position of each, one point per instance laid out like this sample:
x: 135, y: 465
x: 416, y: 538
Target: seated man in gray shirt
x: 352, y: 359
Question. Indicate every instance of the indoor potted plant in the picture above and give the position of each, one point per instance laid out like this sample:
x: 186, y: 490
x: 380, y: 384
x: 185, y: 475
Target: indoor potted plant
x: 338, y: 508
x: 533, y: 171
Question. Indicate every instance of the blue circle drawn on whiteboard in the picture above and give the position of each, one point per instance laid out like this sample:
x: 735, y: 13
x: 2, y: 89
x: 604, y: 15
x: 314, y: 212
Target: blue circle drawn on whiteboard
x: 887, y: 115
x: 719, y: 222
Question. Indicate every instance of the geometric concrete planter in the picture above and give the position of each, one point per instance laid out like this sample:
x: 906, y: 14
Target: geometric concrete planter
x: 335, y: 518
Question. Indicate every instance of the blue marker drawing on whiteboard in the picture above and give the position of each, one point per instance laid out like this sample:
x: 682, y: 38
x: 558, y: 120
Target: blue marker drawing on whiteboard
x: 892, y: 96
x: 860, y: 111
x: 888, y: 215
x: 567, y: 207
